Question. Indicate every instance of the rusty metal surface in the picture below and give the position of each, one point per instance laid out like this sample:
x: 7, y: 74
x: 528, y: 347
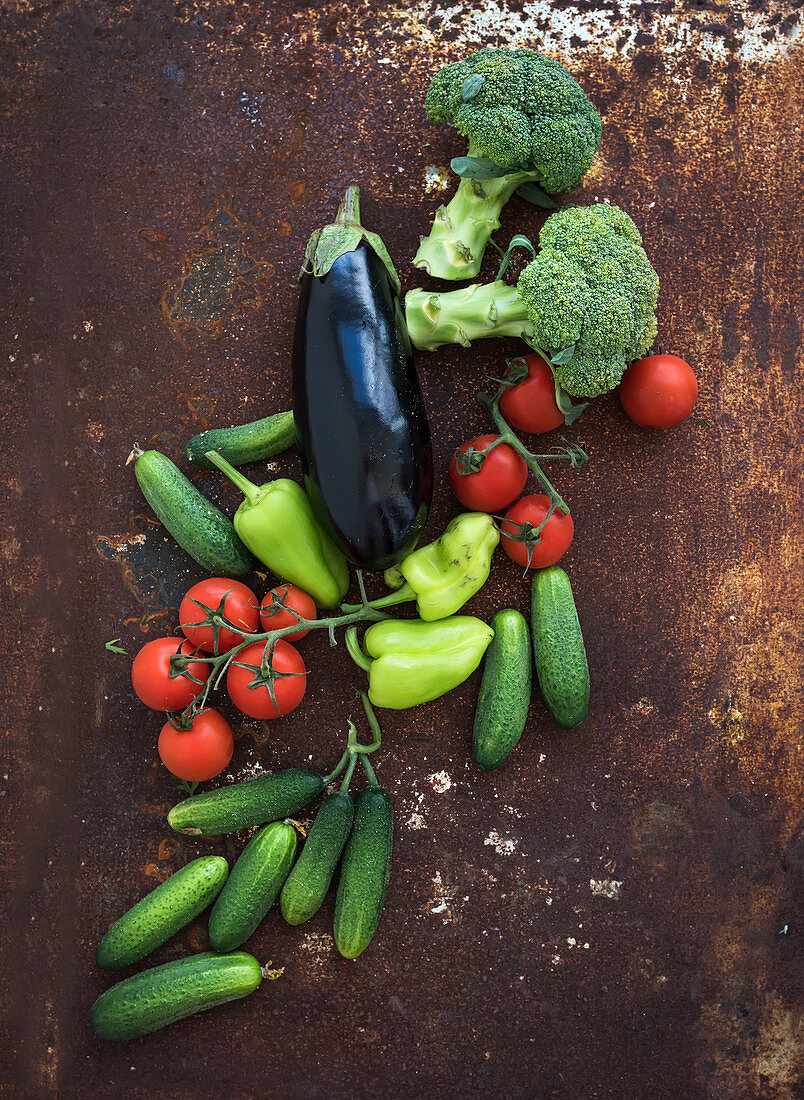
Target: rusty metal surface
x: 617, y: 912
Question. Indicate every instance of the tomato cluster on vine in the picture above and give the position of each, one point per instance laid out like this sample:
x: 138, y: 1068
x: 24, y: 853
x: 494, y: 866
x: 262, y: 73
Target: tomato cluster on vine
x: 264, y: 680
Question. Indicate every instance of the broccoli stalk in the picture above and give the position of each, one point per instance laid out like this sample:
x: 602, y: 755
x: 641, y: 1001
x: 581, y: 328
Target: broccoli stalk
x: 461, y: 230
x: 586, y: 301
x: 527, y: 122
x: 461, y: 316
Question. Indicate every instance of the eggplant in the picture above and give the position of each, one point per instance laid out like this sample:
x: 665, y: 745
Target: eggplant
x: 361, y: 422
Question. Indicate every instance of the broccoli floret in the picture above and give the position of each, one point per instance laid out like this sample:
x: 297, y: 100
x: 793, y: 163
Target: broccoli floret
x: 591, y: 288
x: 527, y: 121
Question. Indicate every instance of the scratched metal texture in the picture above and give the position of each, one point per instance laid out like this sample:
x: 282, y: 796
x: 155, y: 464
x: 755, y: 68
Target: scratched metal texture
x: 617, y: 911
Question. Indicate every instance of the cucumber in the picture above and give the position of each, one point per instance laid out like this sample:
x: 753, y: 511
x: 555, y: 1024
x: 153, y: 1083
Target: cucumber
x: 246, y: 442
x: 157, y: 997
x: 303, y: 893
x: 160, y: 914
x: 365, y: 873
x: 253, y: 886
x: 558, y: 649
x: 502, y: 705
x: 241, y: 805
x: 196, y: 524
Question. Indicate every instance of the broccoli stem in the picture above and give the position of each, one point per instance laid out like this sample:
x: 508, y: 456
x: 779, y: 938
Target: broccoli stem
x: 460, y: 316
x: 455, y: 245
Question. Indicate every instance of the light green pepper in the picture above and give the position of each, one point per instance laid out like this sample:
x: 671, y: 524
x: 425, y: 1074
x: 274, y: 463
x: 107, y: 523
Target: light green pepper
x: 410, y: 661
x: 443, y: 575
x: 277, y: 524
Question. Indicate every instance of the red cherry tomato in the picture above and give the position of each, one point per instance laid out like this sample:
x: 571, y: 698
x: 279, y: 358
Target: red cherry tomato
x: 659, y: 391
x: 274, y: 617
x: 202, y: 751
x: 151, y: 679
x: 288, y: 683
x: 530, y: 405
x: 498, y: 480
x: 554, y: 538
x: 239, y: 606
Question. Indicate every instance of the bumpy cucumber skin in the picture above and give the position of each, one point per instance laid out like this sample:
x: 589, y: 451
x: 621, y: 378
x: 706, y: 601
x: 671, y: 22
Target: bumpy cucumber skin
x: 245, y: 442
x: 253, y: 886
x: 558, y: 649
x: 160, y: 914
x: 502, y: 705
x: 242, y: 805
x: 196, y: 524
x: 160, y: 996
x: 306, y: 887
x: 365, y: 873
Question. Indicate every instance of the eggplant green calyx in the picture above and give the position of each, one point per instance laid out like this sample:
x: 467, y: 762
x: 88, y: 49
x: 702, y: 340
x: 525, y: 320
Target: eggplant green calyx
x: 276, y: 522
x: 344, y: 235
x: 410, y: 661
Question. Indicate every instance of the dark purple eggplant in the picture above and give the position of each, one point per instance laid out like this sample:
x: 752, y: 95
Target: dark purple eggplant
x: 360, y: 417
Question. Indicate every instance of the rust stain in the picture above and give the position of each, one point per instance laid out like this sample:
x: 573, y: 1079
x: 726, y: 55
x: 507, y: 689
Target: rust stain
x: 217, y: 279
x: 100, y: 704
x: 153, y: 870
x: 168, y: 847
x: 201, y: 408
x: 199, y: 938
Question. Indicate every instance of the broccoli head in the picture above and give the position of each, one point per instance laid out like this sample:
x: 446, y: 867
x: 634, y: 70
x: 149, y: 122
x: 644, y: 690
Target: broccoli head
x: 590, y: 288
x: 519, y: 108
x: 528, y: 123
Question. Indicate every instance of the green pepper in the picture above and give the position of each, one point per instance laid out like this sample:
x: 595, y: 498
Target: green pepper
x: 443, y: 575
x: 277, y: 524
x: 410, y: 661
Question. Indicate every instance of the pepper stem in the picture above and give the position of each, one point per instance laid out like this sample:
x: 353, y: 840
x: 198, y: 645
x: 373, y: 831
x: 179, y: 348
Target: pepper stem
x: 401, y: 595
x: 355, y: 649
x: 249, y: 490
x: 349, y: 210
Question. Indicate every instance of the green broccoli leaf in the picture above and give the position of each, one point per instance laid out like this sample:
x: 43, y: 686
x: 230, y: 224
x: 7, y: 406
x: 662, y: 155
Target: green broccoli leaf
x: 532, y: 193
x: 478, y: 168
x: 471, y: 86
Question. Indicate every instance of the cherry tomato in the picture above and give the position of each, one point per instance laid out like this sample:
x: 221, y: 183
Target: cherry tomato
x: 151, y: 679
x: 234, y: 600
x: 530, y: 405
x: 499, y: 479
x: 277, y: 618
x: 286, y: 675
x: 659, y: 391
x: 202, y: 751
x: 554, y: 538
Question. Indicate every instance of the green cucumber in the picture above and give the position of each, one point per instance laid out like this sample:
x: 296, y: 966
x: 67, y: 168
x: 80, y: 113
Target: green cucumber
x: 253, y: 886
x: 160, y: 914
x: 365, y: 873
x: 303, y: 893
x: 196, y: 524
x: 157, y: 997
x: 502, y: 705
x: 558, y: 649
x: 241, y: 805
x: 246, y: 442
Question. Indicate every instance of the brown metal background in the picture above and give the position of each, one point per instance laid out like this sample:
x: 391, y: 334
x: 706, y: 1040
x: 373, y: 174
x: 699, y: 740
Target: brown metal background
x: 617, y: 912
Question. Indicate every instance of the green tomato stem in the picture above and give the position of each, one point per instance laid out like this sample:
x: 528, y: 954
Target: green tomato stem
x: 219, y: 665
x: 508, y: 435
